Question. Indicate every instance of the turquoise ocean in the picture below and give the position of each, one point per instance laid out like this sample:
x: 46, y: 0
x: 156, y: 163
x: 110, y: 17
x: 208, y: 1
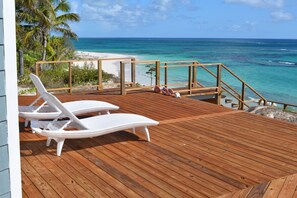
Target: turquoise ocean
x: 268, y: 65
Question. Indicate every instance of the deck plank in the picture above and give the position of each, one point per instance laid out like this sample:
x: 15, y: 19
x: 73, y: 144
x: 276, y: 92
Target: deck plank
x: 42, y: 184
x: 289, y: 186
x: 115, y: 168
x: 148, y: 164
x: 59, y: 179
x: 198, y: 150
x: 274, y: 188
x: 29, y: 189
x: 111, y: 185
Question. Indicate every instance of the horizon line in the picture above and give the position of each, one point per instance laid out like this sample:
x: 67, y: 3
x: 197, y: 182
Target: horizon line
x: 187, y: 38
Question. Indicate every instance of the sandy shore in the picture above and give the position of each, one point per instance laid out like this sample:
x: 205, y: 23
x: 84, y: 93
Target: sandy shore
x: 109, y: 66
x: 113, y: 66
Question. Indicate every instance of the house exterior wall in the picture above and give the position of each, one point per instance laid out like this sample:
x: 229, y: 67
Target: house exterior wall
x: 10, y: 174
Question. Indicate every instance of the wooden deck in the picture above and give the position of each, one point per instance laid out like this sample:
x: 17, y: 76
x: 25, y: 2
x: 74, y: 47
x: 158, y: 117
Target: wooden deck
x: 198, y: 150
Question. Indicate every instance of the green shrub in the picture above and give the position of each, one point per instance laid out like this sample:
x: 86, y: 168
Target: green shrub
x: 25, y: 80
x: 57, y: 76
x: 84, y: 75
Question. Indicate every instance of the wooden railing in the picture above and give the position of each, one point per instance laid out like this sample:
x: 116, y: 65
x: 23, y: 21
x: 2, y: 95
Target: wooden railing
x: 70, y: 63
x: 191, y: 87
x: 124, y: 88
x: 285, y: 105
x: 240, y: 97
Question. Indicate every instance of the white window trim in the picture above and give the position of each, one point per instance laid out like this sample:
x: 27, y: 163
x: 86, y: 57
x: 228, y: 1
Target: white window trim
x: 12, y: 97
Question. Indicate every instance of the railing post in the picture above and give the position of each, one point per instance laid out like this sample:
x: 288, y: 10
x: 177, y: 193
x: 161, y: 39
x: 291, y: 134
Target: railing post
x: 241, y: 104
x: 100, y: 86
x: 70, y: 77
x: 166, y: 75
x: 158, y: 73
x: 190, y: 80
x: 285, y: 107
x: 37, y: 74
x: 194, y: 75
x: 219, y: 84
x: 133, y: 70
x: 122, y: 78
x: 265, y: 102
x: 37, y: 69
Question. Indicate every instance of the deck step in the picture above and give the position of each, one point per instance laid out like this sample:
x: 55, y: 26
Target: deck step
x: 234, y: 105
x: 228, y: 100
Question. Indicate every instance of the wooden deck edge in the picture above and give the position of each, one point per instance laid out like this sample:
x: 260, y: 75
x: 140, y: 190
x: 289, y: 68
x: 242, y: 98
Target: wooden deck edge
x: 281, y: 187
x: 198, y: 117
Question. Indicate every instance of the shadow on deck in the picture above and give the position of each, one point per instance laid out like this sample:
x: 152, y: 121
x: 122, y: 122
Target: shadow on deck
x: 198, y: 150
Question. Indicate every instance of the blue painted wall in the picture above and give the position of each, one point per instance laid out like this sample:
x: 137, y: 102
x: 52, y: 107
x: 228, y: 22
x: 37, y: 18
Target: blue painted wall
x: 4, y: 165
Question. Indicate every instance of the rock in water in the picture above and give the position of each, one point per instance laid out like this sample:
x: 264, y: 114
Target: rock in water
x: 273, y: 112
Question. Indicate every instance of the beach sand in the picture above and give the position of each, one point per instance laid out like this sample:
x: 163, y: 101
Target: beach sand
x: 112, y: 66
x: 109, y: 66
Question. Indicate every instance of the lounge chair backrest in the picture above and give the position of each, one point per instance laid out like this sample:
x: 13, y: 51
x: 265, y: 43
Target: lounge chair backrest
x: 38, y: 84
x: 54, y: 101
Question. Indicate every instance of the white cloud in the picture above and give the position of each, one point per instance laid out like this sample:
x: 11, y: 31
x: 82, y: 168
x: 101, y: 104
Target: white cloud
x: 112, y: 13
x: 282, y: 16
x: 119, y: 13
x: 247, y: 26
x: 259, y: 3
x: 275, y: 4
x: 235, y: 28
x: 162, y: 5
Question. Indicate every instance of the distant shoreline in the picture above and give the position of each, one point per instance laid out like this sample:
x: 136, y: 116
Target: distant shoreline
x: 111, y: 66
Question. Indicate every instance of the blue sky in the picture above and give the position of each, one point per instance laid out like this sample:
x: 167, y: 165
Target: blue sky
x: 186, y: 18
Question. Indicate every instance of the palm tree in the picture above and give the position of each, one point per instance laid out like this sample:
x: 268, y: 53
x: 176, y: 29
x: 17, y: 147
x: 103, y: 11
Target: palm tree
x: 151, y: 72
x: 23, y: 17
x: 40, y: 18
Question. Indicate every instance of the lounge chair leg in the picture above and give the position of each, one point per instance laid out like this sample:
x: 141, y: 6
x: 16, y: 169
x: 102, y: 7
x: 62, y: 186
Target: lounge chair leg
x: 147, y: 134
x: 48, y: 141
x: 104, y: 112
x: 60, y: 143
x: 26, y: 122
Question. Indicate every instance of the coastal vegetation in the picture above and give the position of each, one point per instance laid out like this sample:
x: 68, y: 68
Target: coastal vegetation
x: 43, y: 30
x: 44, y: 34
x: 58, y: 75
x: 151, y: 72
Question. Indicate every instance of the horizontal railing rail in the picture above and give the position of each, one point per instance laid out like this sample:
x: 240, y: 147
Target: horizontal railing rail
x: 99, y: 63
x: 222, y: 85
x: 285, y: 105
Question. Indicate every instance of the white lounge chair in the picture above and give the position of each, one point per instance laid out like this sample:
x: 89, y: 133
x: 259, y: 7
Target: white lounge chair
x: 44, y: 111
x: 87, y: 127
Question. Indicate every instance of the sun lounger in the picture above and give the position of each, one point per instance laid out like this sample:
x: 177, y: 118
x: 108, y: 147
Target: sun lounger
x: 45, y: 111
x: 87, y: 127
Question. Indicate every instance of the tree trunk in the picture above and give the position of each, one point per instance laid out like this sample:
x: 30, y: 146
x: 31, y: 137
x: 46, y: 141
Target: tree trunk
x: 21, y: 62
x: 44, y: 43
x: 151, y: 80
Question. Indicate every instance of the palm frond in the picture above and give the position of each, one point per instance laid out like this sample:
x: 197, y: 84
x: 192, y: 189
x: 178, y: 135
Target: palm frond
x: 63, y: 6
x: 68, y: 17
x: 67, y: 33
